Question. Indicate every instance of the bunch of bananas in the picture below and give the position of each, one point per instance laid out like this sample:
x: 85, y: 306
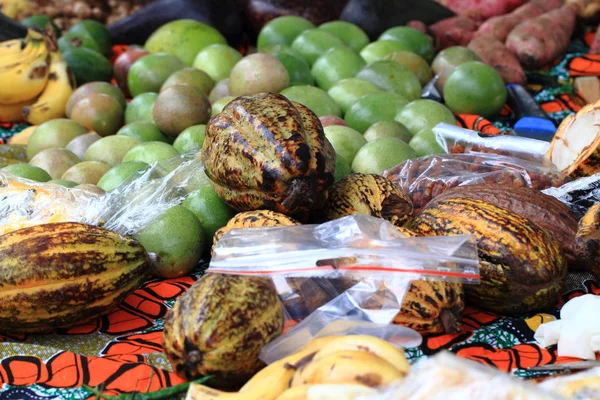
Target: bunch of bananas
x: 35, y: 81
x: 332, y: 367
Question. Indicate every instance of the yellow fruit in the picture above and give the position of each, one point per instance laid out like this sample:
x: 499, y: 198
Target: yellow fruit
x: 12, y: 112
x: 348, y: 366
x: 23, y: 136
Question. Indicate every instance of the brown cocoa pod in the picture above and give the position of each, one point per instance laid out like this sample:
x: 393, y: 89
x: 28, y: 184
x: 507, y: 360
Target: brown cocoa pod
x: 546, y: 211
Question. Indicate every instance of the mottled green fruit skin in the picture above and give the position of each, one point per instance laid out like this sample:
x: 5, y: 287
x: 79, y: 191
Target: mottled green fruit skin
x: 425, y: 144
x: 118, y: 174
x: 150, y: 152
x: 143, y: 131
x: 414, y: 40
x: 313, y: 43
x: 379, y: 155
x: 347, y: 91
x: 282, y: 30
x: 56, y: 133
x: 393, y: 77
x: 378, y: 50
x: 140, y: 108
x: 373, y: 107
x: 190, y: 139
x: 110, y: 150
x: 97, y: 31
x: 424, y: 113
x: 28, y: 172
x: 352, y: 35
x: 100, y: 113
x: 212, y: 212
x: 150, y: 72
x: 336, y: 64
x: 183, y: 38
x: 95, y: 87
x: 314, y: 98
x: 190, y: 76
x: 258, y: 73
x: 180, y: 107
x: 381, y: 129
x: 295, y: 64
x: 176, y: 238
x: 217, y: 60
x: 345, y: 140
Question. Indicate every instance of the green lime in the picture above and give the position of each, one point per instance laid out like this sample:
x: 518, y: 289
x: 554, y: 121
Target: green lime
x: 342, y: 168
x: 176, y: 238
x: 118, y: 174
x: 183, y: 38
x: 76, y: 40
x: 378, y: 50
x: 336, y: 64
x: 88, y: 65
x: 352, y: 35
x: 373, y: 107
x: 314, y: 98
x: 413, y: 39
x: 313, y: 43
x: 151, y: 71
x: 141, y: 108
x: 415, y: 63
x: 282, y: 30
x: 143, y: 131
x: 394, y: 77
x: 475, y: 88
x: 150, y: 152
x: 381, y: 129
x: 347, y: 91
x: 62, y: 182
x: 27, y: 171
x: 294, y: 62
x: 424, y: 143
x: 379, y: 155
x: 190, y: 76
x: 210, y: 209
x: 39, y: 22
x: 97, y: 31
x: 191, y: 139
x: 424, y: 113
x: 217, y: 60
x: 218, y: 105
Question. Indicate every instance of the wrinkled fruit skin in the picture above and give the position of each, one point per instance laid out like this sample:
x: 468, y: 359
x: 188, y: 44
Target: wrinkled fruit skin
x: 546, y: 211
x: 587, y: 241
x: 219, y: 326
x: 58, y: 275
x: 254, y: 219
x: 431, y: 307
x: 266, y: 152
x: 522, y: 267
x: 369, y: 194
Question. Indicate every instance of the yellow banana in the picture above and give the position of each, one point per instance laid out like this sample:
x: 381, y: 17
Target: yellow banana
x: 370, y: 344
x: 18, y: 50
x: 16, y: 8
x: 52, y: 102
x: 348, y: 366
x: 24, y: 75
x: 326, y: 392
x: 12, y: 112
x: 201, y: 392
x: 275, y: 378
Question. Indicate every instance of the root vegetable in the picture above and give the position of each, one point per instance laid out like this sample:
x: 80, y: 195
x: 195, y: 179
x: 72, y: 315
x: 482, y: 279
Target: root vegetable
x: 455, y: 31
x: 500, y: 26
x: 493, y: 52
x: 480, y: 10
x: 539, y: 41
x: 595, y: 47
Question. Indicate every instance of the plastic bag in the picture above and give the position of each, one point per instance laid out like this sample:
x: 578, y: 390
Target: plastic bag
x: 126, y: 209
x: 448, y: 377
x: 356, y: 268
x: 583, y: 385
x: 579, y: 194
x: 427, y: 177
x: 454, y: 139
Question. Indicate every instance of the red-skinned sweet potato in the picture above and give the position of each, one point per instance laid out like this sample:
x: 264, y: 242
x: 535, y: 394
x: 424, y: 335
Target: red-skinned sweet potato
x: 480, y: 10
x: 455, y: 31
x: 500, y: 26
x: 494, y: 53
x: 541, y: 40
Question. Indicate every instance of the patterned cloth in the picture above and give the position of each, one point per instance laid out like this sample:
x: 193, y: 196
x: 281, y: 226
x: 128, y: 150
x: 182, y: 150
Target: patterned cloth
x: 123, y: 349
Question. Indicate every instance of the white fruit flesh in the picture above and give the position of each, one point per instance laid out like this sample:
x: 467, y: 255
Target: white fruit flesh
x: 576, y: 139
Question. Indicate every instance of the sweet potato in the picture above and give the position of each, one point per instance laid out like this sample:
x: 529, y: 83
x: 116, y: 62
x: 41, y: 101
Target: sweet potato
x: 480, y: 10
x: 537, y: 42
x: 493, y: 52
x: 500, y: 26
x: 455, y: 31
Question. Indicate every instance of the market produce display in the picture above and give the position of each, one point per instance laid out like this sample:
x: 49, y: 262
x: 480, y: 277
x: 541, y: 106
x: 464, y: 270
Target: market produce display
x: 125, y: 169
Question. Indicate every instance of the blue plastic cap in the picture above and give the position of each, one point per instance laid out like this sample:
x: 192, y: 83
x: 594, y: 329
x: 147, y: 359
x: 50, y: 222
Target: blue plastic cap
x: 535, y: 128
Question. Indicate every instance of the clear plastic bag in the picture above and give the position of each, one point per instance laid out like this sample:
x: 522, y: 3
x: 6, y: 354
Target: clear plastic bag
x: 427, y: 177
x: 579, y: 194
x: 454, y: 139
x: 126, y: 209
x: 353, y: 269
x: 448, y: 377
x: 582, y: 385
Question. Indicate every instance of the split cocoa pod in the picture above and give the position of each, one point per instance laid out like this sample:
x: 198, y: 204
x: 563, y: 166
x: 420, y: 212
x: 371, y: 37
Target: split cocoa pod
x: 264, y: 151
x: 522, y: 266
x: 587, y: 241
